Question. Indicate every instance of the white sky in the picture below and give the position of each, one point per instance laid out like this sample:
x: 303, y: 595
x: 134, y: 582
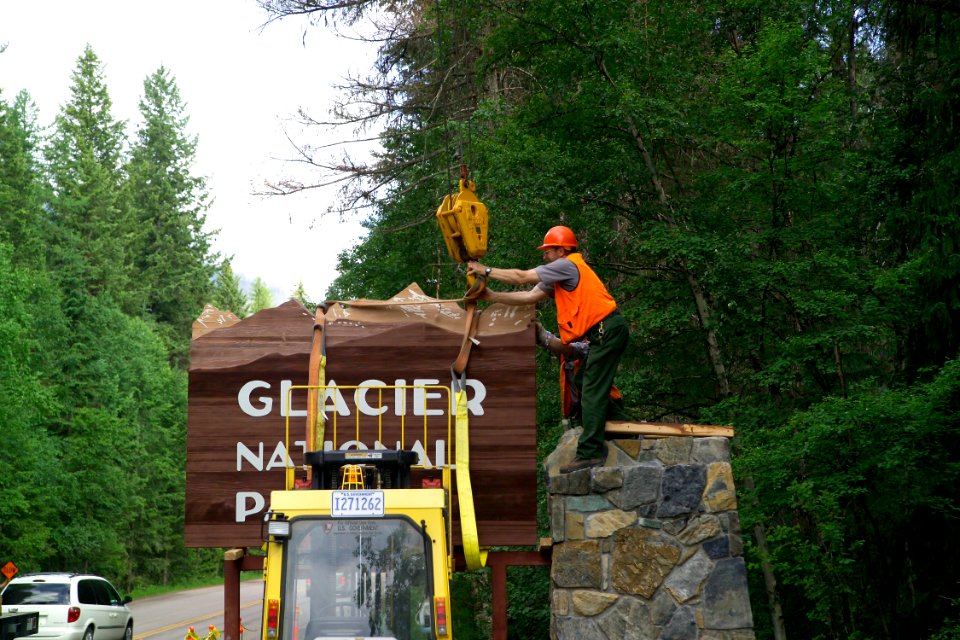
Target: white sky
x: 242, y: 87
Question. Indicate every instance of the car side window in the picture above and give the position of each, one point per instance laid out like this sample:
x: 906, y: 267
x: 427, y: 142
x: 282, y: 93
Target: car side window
x: 113, y: 598
x: 87, y: 592
x: 103, y: 598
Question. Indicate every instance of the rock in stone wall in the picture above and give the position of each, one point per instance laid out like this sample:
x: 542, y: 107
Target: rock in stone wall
x: 648, y: 545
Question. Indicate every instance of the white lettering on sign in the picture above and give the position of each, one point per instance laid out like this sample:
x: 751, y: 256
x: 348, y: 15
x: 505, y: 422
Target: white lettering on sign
x: 251, y: 503
x: 255, y: 458
x: 360, y: 397
x: 414, y: 399
x: 243, y: 500
x: 266, y: 402
x: 284, y: 395
x: 244, y: 453
x: 257, y: 399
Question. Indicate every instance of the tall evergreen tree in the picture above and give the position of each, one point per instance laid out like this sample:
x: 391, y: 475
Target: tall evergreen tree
x: 93, y: 232
x: 21, y: 183
x: 300, y: 293
x: 260, y: 296
x: 173, y: 258
x: 28, y: 509
x: 228, y: 295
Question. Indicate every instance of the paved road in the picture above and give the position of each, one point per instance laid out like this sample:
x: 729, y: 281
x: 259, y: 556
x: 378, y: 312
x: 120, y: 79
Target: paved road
x: 168, y: 617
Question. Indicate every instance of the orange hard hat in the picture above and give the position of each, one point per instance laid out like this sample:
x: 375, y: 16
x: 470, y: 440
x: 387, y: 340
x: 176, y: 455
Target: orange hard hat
x: 559, y: 237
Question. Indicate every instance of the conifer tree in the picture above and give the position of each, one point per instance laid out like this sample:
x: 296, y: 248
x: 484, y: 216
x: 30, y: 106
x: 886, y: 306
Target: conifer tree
x: 228, y: 295
x: 173, y: 258
x: 20, y: 183
x: 300, y: 293
x: 92, y: 227
x: 260, y: 295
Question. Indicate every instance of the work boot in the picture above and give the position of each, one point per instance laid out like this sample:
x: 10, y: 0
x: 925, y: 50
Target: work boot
x: 579, y: 464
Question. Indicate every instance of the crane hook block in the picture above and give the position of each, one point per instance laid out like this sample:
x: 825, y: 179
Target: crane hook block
x: 463, y: 223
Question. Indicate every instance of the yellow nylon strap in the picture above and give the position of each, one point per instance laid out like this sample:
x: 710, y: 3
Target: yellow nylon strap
x: 320, y: 425
x: 475, y: 556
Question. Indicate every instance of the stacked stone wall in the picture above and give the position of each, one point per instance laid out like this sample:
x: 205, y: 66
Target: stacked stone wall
x: 648, y: 545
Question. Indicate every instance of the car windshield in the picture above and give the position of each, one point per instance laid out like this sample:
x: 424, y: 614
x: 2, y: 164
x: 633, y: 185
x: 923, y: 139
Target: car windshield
x: 356, y: 578
x: 36, y: 593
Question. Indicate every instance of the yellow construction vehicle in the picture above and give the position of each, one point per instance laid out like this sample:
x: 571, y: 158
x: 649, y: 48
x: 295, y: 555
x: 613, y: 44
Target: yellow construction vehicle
x: 361, y: 555
x: 353, y: 551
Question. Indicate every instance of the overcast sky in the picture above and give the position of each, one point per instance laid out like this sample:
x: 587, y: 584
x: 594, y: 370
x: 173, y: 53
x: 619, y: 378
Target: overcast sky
x: 242, y: 86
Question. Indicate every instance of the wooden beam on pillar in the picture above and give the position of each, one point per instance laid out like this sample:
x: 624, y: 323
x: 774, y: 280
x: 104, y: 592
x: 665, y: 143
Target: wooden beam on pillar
x: 498, y: 561
x: 662, y: 429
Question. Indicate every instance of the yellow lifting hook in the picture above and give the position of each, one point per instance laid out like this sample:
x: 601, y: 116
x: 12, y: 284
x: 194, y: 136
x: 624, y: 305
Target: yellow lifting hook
x: 463, y: 223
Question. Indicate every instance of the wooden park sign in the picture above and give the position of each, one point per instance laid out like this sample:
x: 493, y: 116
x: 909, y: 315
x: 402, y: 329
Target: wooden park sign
x: 241, y: 376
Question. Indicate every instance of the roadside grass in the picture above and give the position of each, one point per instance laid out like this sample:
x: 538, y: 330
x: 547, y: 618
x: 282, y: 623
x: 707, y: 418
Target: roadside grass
x: 212, y: 581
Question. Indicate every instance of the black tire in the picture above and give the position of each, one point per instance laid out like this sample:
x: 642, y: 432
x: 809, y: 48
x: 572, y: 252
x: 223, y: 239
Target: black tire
x: 128, y: 632
x: 88, y: 633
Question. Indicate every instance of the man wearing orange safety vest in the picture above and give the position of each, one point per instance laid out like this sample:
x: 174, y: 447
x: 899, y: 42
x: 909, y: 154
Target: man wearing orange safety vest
x: 585, y: 312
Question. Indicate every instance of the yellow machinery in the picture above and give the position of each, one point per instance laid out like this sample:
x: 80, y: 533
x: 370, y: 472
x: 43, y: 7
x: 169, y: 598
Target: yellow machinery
x: 361, y: 554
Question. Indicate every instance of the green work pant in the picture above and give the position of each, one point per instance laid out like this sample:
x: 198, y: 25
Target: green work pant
x: 608, y: 340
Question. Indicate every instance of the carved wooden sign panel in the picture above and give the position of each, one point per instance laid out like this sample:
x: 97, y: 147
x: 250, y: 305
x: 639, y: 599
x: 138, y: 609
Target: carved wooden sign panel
x: 240, y: 392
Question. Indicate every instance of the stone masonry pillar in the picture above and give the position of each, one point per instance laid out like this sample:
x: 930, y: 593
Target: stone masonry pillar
x: 647, y: 546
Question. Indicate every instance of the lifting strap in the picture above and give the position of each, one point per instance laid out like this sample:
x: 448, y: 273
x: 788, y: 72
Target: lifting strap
x: 475, y: 556
x: 316, y: 378
x: 470, y: 324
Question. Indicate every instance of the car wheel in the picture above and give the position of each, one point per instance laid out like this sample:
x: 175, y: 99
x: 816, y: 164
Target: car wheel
x: 88, y: 634
x: 128, y: 633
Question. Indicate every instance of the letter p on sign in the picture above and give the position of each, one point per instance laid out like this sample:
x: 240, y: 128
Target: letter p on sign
x: 243, y: 497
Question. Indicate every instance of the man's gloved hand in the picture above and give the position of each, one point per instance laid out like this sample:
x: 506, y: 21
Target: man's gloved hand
x: 544, y: 337
x: 580, y: 349
x: 550, y: 342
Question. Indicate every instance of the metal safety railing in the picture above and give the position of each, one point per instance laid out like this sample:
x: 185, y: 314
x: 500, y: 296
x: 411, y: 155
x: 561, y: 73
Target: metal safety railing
x: 474, y: 553
x: 368, y: 425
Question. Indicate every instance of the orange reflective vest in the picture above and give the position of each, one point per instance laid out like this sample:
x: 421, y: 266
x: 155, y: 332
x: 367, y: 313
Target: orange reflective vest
x: 585, y: 306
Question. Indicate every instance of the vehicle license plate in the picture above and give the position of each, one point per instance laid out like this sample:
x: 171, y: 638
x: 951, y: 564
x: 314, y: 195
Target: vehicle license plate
x: 356, y: 504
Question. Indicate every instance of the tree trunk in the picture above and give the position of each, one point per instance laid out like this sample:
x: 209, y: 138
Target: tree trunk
x: 699, y: 296
x: 713, y: 347
x: 769, y: 579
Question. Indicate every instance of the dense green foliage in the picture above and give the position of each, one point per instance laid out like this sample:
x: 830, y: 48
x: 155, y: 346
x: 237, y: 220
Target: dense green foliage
x: 103, y: 266
x: 771, y: 190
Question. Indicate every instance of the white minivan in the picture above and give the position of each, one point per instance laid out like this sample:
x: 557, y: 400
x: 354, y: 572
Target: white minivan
x: 72, y: 606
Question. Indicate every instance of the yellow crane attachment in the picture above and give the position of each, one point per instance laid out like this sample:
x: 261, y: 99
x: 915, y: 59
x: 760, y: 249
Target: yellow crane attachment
x: 463, y: 223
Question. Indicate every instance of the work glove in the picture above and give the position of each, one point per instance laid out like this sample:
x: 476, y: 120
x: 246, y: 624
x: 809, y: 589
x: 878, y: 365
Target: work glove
x: 580, y: 349
x: 550, y: 342
x: 543, y: 336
